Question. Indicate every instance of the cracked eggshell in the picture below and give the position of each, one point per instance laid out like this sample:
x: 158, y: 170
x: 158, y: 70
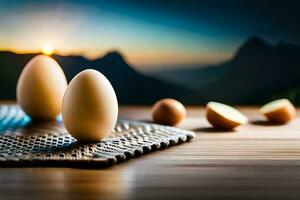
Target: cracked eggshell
x: 41, y: 87
x: 279, y: 111
x: 90, y: 106
x: 224, y: 117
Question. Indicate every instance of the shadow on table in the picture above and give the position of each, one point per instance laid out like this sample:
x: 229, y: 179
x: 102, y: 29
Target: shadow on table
x: 145, y: 120
x: 265, y: 123
x: 212, y: 130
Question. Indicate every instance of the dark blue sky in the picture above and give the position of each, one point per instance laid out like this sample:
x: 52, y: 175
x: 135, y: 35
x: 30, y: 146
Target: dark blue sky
x: 148, y: 32
x: 230, y: 18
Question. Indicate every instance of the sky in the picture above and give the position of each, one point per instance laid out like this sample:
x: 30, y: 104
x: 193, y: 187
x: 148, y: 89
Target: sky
x: 150, y: 34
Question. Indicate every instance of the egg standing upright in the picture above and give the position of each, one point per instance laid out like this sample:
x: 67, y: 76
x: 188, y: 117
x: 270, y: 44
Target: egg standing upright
x: 41, y: 87
x: 90, y: 106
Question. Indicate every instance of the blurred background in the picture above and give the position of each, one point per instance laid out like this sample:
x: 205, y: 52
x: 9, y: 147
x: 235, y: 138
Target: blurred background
x: 237, y: 52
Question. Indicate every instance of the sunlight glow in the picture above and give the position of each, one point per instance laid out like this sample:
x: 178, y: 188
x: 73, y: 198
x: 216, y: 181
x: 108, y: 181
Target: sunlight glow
x: 47, y: 49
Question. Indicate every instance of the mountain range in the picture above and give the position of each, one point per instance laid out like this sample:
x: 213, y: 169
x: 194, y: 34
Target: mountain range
x: 258, y: 71
x: 131, y: 87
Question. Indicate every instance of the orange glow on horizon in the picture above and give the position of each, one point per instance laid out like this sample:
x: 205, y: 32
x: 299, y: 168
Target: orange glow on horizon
x: 47, y: 49
x: 139, y: 60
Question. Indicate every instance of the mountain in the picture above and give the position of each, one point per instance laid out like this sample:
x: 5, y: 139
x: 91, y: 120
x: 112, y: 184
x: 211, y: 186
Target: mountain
x: 258, y: 71
x: 131, y: 87
x: 192, y: 78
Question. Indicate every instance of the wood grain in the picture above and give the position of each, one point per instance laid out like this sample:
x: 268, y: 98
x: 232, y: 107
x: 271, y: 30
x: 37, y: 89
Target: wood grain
x: 259, y: 161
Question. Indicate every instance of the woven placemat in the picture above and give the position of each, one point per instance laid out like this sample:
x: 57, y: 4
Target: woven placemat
x: 24, y: 143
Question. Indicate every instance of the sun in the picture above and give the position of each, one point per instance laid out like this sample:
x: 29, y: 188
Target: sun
x: 47, y: 49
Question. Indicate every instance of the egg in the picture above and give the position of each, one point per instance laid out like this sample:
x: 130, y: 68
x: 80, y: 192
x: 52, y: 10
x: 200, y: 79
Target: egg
x: 279, y: 111
x: 225, y: 117
x: 168, y: 112
x: 41, y: 87
x: 90, y: 106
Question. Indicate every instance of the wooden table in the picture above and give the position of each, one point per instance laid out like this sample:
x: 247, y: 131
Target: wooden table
x: 259, y: 161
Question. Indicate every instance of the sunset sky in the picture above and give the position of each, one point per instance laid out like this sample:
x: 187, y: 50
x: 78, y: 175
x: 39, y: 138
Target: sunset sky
x: 147, y: 33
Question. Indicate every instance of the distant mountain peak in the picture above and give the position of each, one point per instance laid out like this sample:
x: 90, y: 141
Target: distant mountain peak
x: 257, y: 39
x: 253, y: 45
x: 114, y: 55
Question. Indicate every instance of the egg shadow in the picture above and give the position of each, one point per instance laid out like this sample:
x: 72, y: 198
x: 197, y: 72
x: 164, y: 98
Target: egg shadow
x: 146, y: 121
x: 32, y: 128
x: 212, y: 130
x: 265, y: 123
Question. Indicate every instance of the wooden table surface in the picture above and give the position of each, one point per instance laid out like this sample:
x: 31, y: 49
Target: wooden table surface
x: 259, y: 161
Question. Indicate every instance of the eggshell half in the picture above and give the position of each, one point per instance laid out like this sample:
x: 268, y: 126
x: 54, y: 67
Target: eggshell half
x: 279, y: 111
x: 41, y: 87
x: 168, y: 112
x: 90, y: 106
x: 224, y: 117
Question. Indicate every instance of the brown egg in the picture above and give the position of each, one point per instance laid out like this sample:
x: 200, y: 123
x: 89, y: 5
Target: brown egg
x: 279, y: 111
x: 41, y: 87
x: 225, y: 117
x: 90, y: 106
x: 168, y: 112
